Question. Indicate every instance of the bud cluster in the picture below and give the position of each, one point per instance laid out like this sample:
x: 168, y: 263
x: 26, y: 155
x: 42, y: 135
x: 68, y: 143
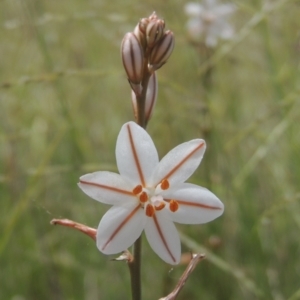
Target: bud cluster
x: 144, y: 51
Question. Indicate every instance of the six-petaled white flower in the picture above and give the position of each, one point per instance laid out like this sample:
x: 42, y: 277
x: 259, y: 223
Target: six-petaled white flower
x: 209, y: 21
x: 149, y: 194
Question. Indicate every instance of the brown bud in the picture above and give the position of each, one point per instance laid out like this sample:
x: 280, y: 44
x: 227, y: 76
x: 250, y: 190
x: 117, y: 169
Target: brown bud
x: 154, y: 31
x: 153, y: 16
x: 143, y: 25
x: 140, y: 32
x: 133, y: 58
x: 161, y: 51
x: 151, y: 96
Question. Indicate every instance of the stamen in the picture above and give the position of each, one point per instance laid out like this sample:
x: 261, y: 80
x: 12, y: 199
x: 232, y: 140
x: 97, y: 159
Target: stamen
x: 160, y: 206
x: 143, y: 197
x: 174, y: 205
x: 164, y: 184
x: 150, y: 210
x: 137, y: 189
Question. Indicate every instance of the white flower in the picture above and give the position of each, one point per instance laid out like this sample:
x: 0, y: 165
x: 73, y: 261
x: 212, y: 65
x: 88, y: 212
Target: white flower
x: 150, y: 195
x: 209, y: 21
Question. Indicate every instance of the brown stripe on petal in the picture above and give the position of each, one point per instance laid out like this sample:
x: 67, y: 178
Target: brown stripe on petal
x: 135, y: 156
x: 117, y: 230
x: 106, y: 187
x: 162, y: 237
x: 194, y: 204
x: 132, y: 61
x: 172, y: 171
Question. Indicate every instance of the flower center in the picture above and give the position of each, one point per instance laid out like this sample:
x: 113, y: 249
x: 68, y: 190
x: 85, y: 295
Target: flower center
x: 151, y: 199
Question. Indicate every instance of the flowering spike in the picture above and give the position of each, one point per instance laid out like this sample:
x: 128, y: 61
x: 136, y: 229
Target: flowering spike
x: 161, y: 51
x: 133, y: 58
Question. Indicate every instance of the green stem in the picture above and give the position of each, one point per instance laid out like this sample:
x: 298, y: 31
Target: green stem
x: 135, y: 270
x: 135, y: 265
x: 207, y: 125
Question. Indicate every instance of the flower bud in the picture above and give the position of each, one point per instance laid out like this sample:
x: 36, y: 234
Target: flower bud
x: 153, y: 16
x: 151, y: 96
x: 143, y: 25
x: 133, y: 58
x: 140, y: 32
x: 154, y: 31
x: 161, y: 51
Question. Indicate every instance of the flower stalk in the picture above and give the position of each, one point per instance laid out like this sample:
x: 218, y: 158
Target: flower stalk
x: 150, y: 46
x: 147, y: 194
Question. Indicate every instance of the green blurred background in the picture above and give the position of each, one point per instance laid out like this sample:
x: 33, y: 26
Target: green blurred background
x: 64, y: 97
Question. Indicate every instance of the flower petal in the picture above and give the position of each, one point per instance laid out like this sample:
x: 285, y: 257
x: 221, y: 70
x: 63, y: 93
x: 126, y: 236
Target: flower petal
x: 163, y: 237
x: 135, y: 153
x: 120, y: 227
x: 197, y: 205
x: 107, y: 187
x: 195, y: 28
x: 180, y: 163
x: 193, y: 9
x: 223, y: 10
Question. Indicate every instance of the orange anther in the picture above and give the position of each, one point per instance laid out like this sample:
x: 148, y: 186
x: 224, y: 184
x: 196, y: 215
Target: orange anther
x: 137, y: 189
x: 173, y: 205
x: 149, y: 210
x: 143, y: 197
x: 164, y: 184
x: 160, y: 206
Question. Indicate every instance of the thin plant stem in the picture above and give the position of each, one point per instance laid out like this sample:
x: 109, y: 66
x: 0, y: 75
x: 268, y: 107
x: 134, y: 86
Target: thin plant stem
x: 207, y: 124
x: 135, y: 264
x: 135, y: 270
x: 195, y: 259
